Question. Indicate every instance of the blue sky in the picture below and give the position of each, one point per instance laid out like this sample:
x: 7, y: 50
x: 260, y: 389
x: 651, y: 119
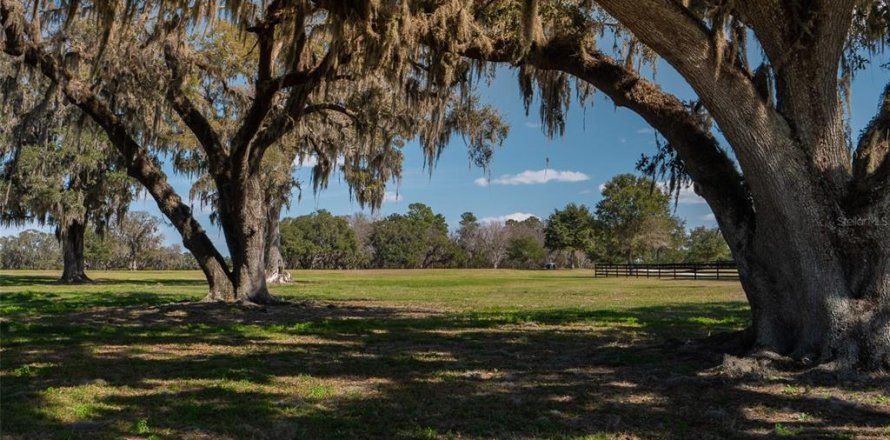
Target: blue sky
x: 530, y: 174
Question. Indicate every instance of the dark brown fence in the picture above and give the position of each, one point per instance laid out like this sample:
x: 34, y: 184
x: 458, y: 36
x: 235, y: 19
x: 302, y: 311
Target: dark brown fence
x: 676, y: 271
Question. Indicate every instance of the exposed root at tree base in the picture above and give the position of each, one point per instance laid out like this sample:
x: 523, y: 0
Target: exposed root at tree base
x: 245, y: 303
x: 739, y: 359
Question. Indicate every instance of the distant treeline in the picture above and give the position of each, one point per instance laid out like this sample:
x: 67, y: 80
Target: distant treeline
x: 632, y: 223
x: 133, y: 243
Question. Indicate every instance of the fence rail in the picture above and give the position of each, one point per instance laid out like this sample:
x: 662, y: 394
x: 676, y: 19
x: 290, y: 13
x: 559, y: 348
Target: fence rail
x: 676, y: 271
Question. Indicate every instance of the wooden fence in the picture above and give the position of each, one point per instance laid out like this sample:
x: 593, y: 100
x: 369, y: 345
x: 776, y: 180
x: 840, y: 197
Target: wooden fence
x: 676, y: 271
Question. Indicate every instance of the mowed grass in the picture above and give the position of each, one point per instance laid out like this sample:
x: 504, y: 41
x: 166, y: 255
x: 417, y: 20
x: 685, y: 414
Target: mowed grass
x: 397, y: 354
x: 35, y: 292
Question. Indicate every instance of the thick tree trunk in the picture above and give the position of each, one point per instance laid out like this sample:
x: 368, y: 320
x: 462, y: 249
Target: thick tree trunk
x: 276, y: 272
x: 72, y: 237
x: 819, y: 289
x: 243, y: 219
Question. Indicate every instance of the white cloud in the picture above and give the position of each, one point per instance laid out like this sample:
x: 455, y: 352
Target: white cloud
x: 646, y: 130
x: 687, y: 195
x: 516, y: 216
x: 391, y: 197
x: 530, y: 177
x: 531, y: 124
x: 709, y: 218
x: 601, y: 188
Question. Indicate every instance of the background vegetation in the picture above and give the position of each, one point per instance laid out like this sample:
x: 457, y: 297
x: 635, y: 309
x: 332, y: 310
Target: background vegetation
x: 633, y: 223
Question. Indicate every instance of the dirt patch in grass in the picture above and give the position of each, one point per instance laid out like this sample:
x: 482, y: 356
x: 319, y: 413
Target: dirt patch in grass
x: 360, y: 370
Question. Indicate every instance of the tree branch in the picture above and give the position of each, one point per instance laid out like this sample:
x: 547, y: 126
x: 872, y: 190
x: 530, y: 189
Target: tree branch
x: 191, y: 116
x: 708, y: 165
x: 804, y: 43
x: 265, y: 87
x: 327, y: 106
x: 293, y: 109
x: 772, y: 149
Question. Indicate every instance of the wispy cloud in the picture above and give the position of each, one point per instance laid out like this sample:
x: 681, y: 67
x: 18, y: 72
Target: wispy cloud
x: 687, y: 195
x: 646, y: 130
x: 516, y: 216
x: 709, y: 218
x: 391, y: 197
x: 532, y: 124
x: 534, y: 177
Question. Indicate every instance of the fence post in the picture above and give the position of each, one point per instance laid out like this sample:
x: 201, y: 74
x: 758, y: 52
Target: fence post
x: 718, y: 272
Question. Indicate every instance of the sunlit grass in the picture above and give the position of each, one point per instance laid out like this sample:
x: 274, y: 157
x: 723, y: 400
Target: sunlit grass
x: 33, y: 292
x: 386, y: 354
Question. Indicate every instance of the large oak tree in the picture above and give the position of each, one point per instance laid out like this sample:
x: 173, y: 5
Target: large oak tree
x: 57, y: 169
x: 325, y: 75
x: 805, y: 210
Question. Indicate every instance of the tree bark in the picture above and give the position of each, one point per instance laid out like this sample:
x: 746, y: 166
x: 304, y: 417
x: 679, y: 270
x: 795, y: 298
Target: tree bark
x: 243, y: 219
x: 816, y: 307
x: 72, y: 236
x: 276, y: 272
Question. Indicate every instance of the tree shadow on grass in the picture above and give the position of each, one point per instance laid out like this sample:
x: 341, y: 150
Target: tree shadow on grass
x: 310, y: 370
x: 37, y: 303
x: 16, y: 280
x: 31, y: 280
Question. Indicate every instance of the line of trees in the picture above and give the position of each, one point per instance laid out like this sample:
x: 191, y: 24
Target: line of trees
x: 132, y: 243
x: 633, y: 223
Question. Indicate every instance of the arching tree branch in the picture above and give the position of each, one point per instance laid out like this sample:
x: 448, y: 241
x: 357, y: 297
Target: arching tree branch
x: 191, y: 116
x: 720, y: 182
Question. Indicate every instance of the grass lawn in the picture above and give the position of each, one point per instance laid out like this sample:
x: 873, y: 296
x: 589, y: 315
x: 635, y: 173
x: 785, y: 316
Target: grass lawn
x: 398, y: 354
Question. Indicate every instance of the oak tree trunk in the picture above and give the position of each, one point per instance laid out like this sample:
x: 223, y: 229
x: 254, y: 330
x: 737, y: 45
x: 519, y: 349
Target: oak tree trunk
x: 243, y: 220
x: 72, y: 236
x: 818, y: 283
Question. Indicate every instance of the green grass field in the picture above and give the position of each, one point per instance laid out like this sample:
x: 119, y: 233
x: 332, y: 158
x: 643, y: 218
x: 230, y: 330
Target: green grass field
x: 397, y: 354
